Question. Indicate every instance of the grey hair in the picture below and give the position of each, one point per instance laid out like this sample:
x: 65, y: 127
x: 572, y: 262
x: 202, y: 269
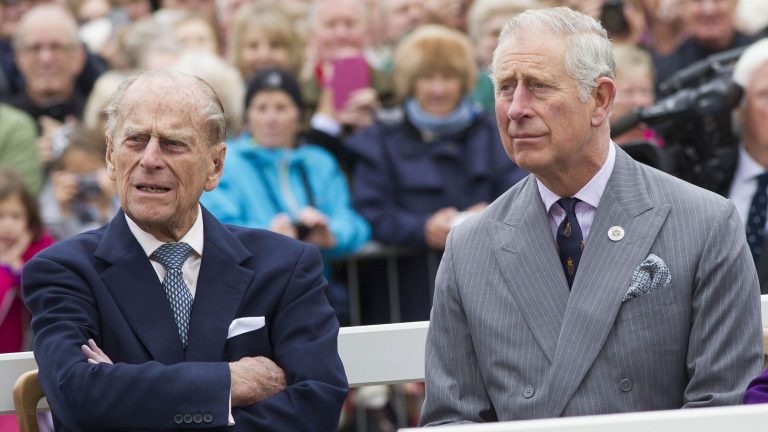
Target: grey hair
x: 316, y: 5
x: 47, y: 13
x: 588, y: 52
x: 212, y: 112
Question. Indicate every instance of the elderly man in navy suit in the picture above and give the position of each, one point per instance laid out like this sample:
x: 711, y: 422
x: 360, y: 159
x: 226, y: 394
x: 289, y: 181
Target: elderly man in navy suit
x: 165, y: 318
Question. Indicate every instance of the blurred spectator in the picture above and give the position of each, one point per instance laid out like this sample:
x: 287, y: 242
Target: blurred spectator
x: 18, y: 149
x: 194, y: 32
x: 664, y: 25
x: 263, y: 37
x: 49, y: 57
x: 21, y: 237
x: 148, y: 44
x: 711, y: 28
x: 396, y: 19
x: 418, y: 177
x: 94, y: 117
x: 623, y: 19
x: 752, y: 16
x: 137, y: 9
x: 224, y: 79
x: 79, y: 195
x: 747, y: 184
x: 337, y: 80
x: 634, y: 88
x: 449, y: 13
x: 273, y: 180
x: 486, y: 19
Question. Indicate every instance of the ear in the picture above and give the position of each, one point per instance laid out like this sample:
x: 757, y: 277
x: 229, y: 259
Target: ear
x: 110, y: 158
x: 602, y: 97
x: 216, y: 167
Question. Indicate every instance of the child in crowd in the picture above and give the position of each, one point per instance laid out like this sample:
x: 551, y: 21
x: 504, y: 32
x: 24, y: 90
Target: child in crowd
x: 21, y: 237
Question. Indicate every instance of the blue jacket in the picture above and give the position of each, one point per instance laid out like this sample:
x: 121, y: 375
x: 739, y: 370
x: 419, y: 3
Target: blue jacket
x: 249, y: 192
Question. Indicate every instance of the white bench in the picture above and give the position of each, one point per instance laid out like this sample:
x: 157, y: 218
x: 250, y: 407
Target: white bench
x: 378, y: 354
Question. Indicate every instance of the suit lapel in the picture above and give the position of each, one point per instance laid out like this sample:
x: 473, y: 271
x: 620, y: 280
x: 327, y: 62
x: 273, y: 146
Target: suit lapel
x: 138, y: 292
x: 530, y: 265
x: 221, y: 285
x: 603, y: 276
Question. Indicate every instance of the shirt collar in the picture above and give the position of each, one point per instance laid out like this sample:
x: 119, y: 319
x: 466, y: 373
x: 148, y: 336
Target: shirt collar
x: 148, y: 242
x: 748, y: 168
x: 592, y: 191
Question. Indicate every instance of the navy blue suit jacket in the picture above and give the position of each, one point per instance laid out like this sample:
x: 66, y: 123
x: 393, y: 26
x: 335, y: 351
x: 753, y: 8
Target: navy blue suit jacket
x: 101, y: 285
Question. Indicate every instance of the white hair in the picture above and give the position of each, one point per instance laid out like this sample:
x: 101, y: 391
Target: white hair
x: 588, y: 52
x: 750, y: 61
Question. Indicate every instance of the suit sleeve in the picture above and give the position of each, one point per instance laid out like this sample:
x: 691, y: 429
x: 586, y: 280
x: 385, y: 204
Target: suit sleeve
x: 84, y: 396
x: 454, y: 385
x: 305, y: 332
x: 725, y: 342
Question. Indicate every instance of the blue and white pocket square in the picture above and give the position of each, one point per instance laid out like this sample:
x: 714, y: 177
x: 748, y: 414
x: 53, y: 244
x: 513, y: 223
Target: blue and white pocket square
x: 649, y: 276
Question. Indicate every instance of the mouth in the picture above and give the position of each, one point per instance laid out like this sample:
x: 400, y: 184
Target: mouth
x: 154, y: 189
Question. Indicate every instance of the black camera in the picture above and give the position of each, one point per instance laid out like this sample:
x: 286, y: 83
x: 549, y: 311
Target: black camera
x: 613, y: 20
x: 88, y: 186
x: 302, y: 231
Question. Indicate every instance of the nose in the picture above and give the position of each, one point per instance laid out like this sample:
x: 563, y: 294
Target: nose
x: 519, y: 107
x: 152, y: 157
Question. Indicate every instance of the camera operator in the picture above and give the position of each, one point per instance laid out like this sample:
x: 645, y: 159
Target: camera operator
x: 79, y: 195
x: 711, y: 26
x: 749, y: 179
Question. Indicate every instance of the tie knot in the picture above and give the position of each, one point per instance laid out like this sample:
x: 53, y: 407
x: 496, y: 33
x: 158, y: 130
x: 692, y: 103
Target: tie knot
x: 172, y: 255
x: 569, y: 205
x: 762, y: 181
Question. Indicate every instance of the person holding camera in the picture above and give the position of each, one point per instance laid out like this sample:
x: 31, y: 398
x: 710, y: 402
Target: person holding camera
x: 79, y: 195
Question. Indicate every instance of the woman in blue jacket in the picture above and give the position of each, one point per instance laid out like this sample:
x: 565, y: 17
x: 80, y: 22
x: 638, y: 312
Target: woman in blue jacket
x: 273, y: 180
x: 416, y: 178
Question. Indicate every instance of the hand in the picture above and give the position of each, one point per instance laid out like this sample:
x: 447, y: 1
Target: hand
x: 255, y: 379
x: 438, y: 226
x: 282, y: 224
x: 12, y: 255
x: 319, y: 231
x: 94, y: 354
x: 359, y: 111
x: 65, y: 189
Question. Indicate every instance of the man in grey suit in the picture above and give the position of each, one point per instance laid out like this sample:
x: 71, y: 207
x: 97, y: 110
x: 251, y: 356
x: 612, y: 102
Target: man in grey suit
x: 596, y: 285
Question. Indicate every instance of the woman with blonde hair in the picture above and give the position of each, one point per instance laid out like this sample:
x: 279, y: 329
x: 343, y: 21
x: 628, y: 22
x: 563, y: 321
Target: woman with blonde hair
x: 417, y: 177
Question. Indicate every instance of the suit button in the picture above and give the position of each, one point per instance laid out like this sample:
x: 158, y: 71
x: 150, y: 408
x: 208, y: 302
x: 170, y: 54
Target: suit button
x: 197, y: 418
x: 178, y: 419
x: 207, y: 418
x: 625, y: 385
x: 187, y: 418
x: 528, y: 391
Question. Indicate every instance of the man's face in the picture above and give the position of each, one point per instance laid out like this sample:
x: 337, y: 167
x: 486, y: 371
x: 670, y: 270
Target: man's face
x: 49, y: 59
x: 710, y: 21
x: 544, y: 126
x: 160, y: 158
x: 754, y: 112
x: 402, y: 16
x: 339, y: 28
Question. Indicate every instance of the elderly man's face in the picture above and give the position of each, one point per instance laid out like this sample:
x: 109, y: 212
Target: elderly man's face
x: 339, y: 28
x: 160, y: 158
x: 49, y: 59
x: 755, y: 110
x: 544, y: 126
x: 710, y: 21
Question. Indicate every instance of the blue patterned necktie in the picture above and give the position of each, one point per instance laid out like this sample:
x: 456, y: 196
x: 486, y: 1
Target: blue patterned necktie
x: 570, y: 243
x: 172, y: 257
x: 756, y: 218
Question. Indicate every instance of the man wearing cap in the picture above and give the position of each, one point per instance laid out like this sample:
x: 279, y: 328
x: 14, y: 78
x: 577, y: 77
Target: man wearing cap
x: 167, y: 319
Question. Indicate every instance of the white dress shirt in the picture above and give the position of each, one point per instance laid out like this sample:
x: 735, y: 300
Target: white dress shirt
x: 194, y: 237
x: 589, y: 195
x: 744, y: 184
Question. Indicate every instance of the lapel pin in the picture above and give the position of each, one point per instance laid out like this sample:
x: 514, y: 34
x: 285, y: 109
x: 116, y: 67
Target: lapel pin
x: 616, y: 233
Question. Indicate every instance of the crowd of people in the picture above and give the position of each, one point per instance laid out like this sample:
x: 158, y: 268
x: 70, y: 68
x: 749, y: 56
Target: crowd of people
x: 349, y: 121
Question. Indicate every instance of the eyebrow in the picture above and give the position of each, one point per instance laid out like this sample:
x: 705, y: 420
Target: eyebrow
x: 169, y: 135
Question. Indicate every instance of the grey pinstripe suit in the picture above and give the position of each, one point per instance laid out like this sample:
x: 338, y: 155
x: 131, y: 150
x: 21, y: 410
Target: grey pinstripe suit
x: 507, y: 339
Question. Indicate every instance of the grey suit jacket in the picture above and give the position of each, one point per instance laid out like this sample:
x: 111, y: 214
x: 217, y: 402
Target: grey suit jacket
x: 508, y: 340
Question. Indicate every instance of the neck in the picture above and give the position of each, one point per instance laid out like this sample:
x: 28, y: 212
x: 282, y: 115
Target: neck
x: 758, y: 153
x: 45, y: 98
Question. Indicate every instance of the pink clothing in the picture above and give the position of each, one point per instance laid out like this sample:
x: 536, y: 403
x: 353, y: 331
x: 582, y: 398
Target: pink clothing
x: 14, y: 317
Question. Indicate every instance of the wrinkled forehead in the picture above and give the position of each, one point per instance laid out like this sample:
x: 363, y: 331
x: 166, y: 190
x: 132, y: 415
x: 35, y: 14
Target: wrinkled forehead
x: 162, y: 103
